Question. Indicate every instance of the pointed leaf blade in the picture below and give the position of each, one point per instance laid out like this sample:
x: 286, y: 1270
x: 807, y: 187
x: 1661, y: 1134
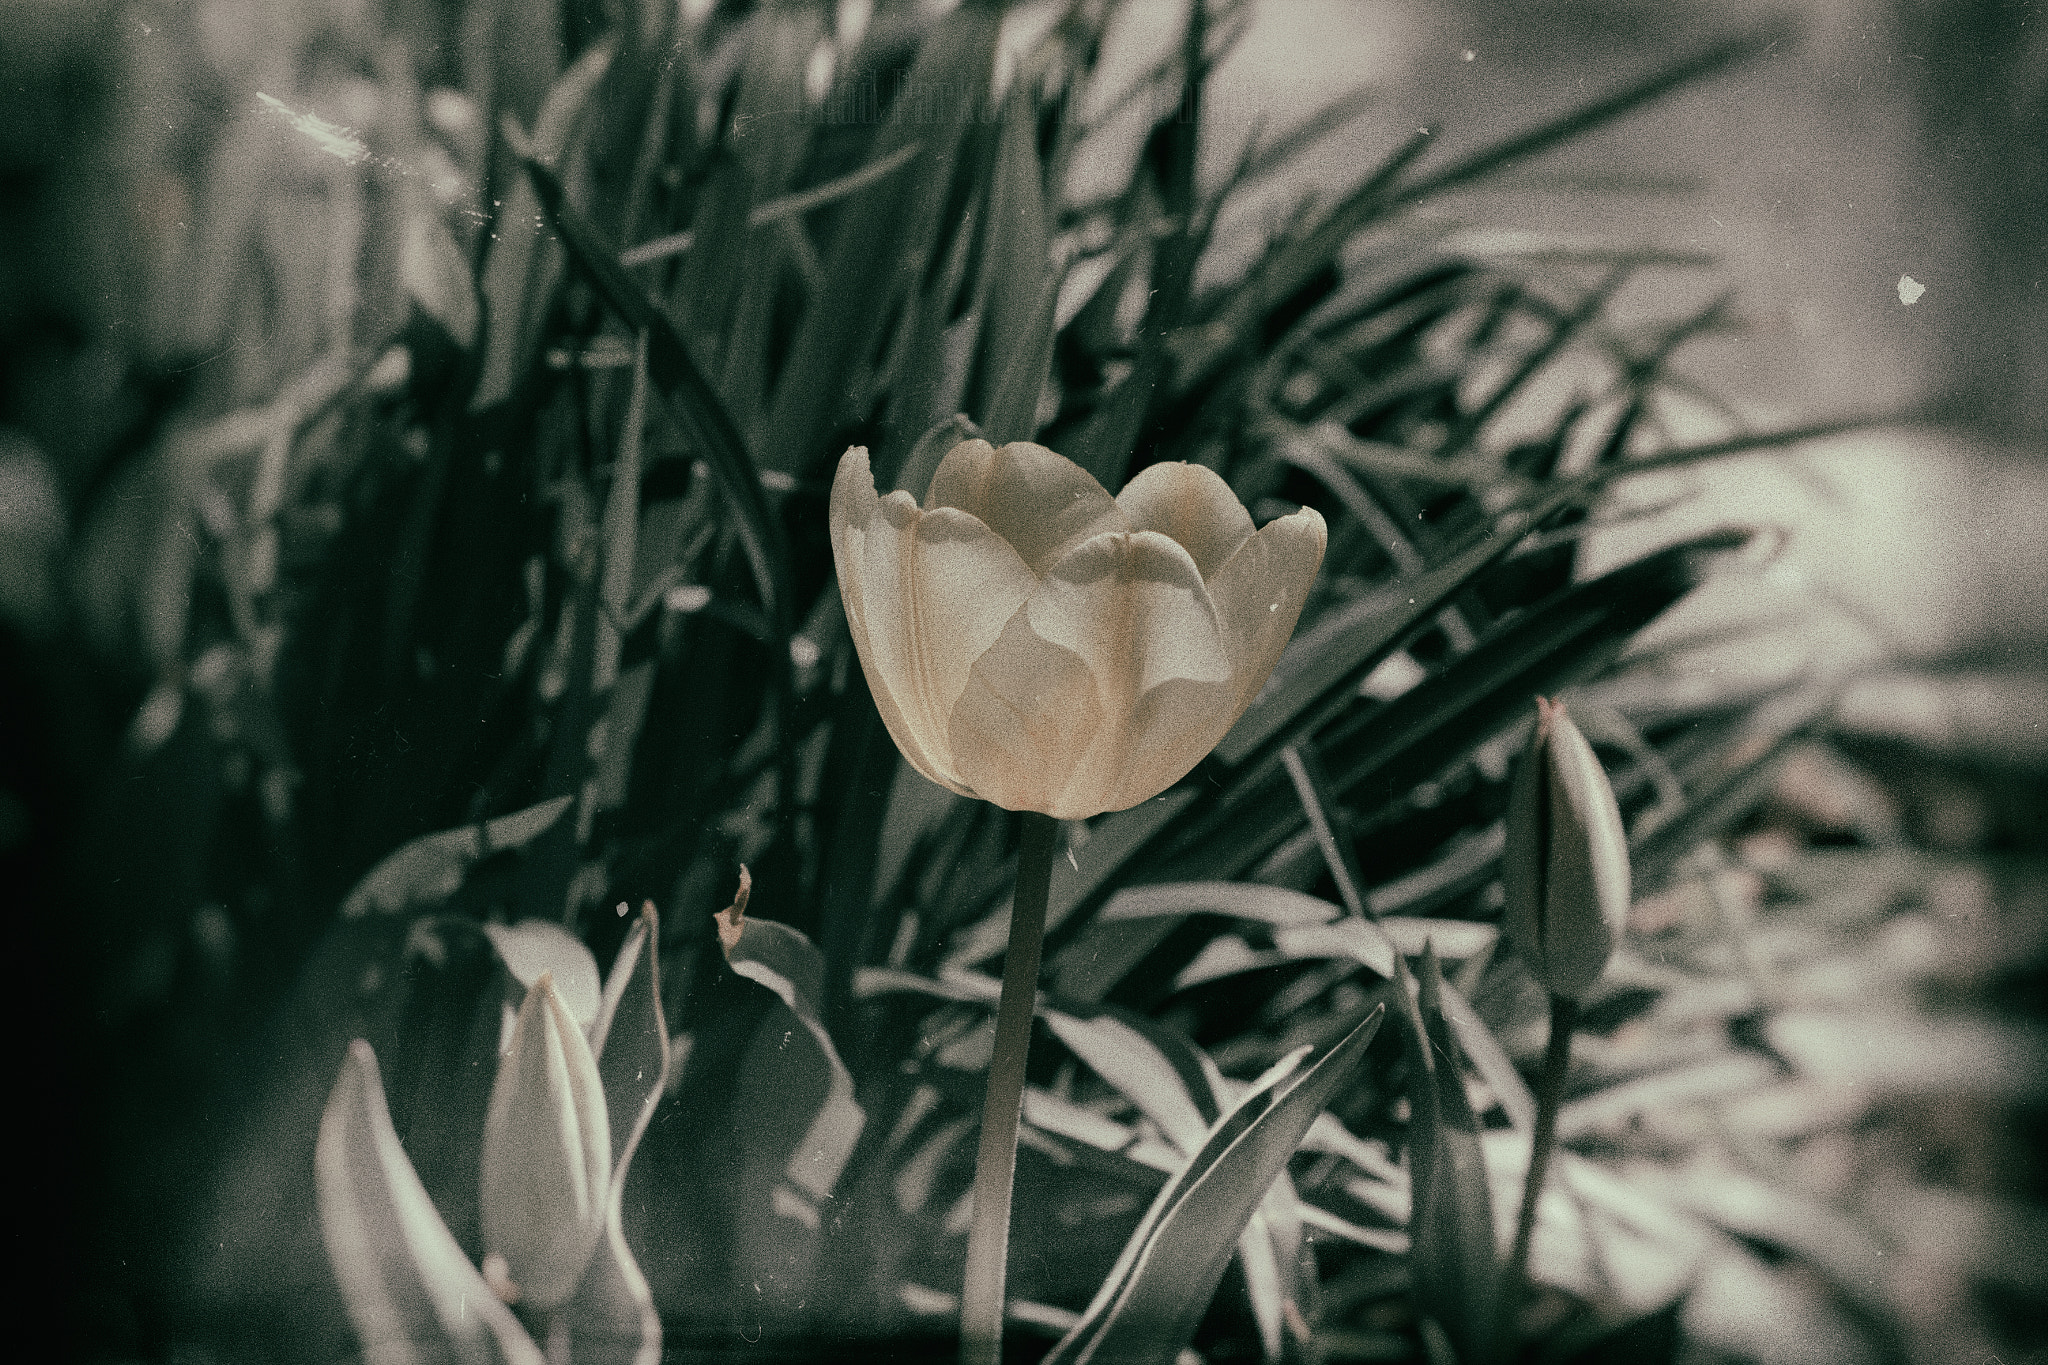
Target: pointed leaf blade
x: 524, y: 265
x: 1019, y: 283
x: 411, y: 1293
x: 630, y: 1038
x: 1457, y: 1276
x: 1152, y: 1301
x: 535, y: 947
x: 430, y: 869
x: 612, y: 1319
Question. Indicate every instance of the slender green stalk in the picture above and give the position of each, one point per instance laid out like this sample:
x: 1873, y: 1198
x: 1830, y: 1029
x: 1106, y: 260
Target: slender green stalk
x: 1557, y: 1060
x: 995, y: 1164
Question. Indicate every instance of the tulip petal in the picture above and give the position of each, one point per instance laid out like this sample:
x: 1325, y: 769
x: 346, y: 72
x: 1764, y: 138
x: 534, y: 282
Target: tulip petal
x: 1259, y: 594
x: 855, y: 506
x: 937, y: 588
x: 1039, y: 501
x: 547, y: 1152
x: 1581, y: 786
x: 1171, y: 729
x: 410, y: 1291
x: 1192, y: 504
x: 1566, y: 866
x: 1025, y: 721
x: 1133, y: 607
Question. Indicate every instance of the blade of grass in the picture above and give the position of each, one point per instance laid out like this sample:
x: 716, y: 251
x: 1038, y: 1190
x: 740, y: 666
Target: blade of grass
x: 689, y: 393
x: 800, y: 202
x: 1415, y: 737
x: 1019, y: 282
x: 1708, y: 62
x: 1148, y: 1307
x: 1567, y: 328
x: 883, y: 241
x: 519, y: 276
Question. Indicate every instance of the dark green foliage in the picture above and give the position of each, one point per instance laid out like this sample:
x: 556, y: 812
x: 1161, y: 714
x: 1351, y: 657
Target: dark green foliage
x: 568, y: 640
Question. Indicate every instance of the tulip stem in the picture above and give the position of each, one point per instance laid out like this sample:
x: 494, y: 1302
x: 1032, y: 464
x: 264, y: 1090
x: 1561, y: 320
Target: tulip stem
x: 1557, y: 1060
x: 995, y: 1163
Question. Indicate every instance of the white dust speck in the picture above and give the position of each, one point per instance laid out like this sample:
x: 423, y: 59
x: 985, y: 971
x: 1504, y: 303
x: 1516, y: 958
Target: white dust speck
x: 327, y: 137
x: 1910, y: 290
x: 1467, y: 55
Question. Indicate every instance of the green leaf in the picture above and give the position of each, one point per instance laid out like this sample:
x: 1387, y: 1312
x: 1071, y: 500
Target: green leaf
x: 524, y: 263
x: 1018, y: 285
x: 931, y: 448
x: 619, y: 532
x: 1584, y: 118
x: 532, y: 948
x: 798, y: 1119
x: 612, y: 1319
x: 688, y: 393
x: 1457, y: 1273
x: 1138, y: 919
x: 1743, y: 444
x: 1313, y: 684
x: 630, y: 1038
x: 410, y: 1291
x: 1319, y: 804
x: 1466, y: 431
x: 433, y: 269
x: 427, y: 871
x: 929, y: 363
x: 1269, y: 154
x: 1419, y: 734
x: 1292, y: 265
x: 739, y: 266
x: 1174, y: 1084
x: 521, y: 52
x: 797, y: 203
x: 1489, y: 1059
x: 882, y: 242
x: 1722, y: 797
x: 1122, y: 1052
x: 1148, y: 1307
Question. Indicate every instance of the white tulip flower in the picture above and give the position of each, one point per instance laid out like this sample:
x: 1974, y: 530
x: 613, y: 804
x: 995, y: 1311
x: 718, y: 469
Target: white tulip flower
x: 1036, y: 643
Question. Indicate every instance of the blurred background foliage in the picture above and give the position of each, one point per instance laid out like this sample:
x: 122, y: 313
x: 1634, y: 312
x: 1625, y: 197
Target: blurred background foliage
x: 397, y: 540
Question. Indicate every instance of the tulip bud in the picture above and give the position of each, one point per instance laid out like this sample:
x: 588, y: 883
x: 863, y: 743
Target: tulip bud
x: 1566, y: 865
x: 547, y: 1153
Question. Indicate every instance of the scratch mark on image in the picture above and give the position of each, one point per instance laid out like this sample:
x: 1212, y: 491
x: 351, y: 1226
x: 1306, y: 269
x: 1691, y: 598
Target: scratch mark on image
x: 330, y: 138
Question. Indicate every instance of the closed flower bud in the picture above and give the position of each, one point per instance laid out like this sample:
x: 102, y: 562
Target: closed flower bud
x: 547, y: 1153
x: 1034, y: 642
x: 1566, y: 865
